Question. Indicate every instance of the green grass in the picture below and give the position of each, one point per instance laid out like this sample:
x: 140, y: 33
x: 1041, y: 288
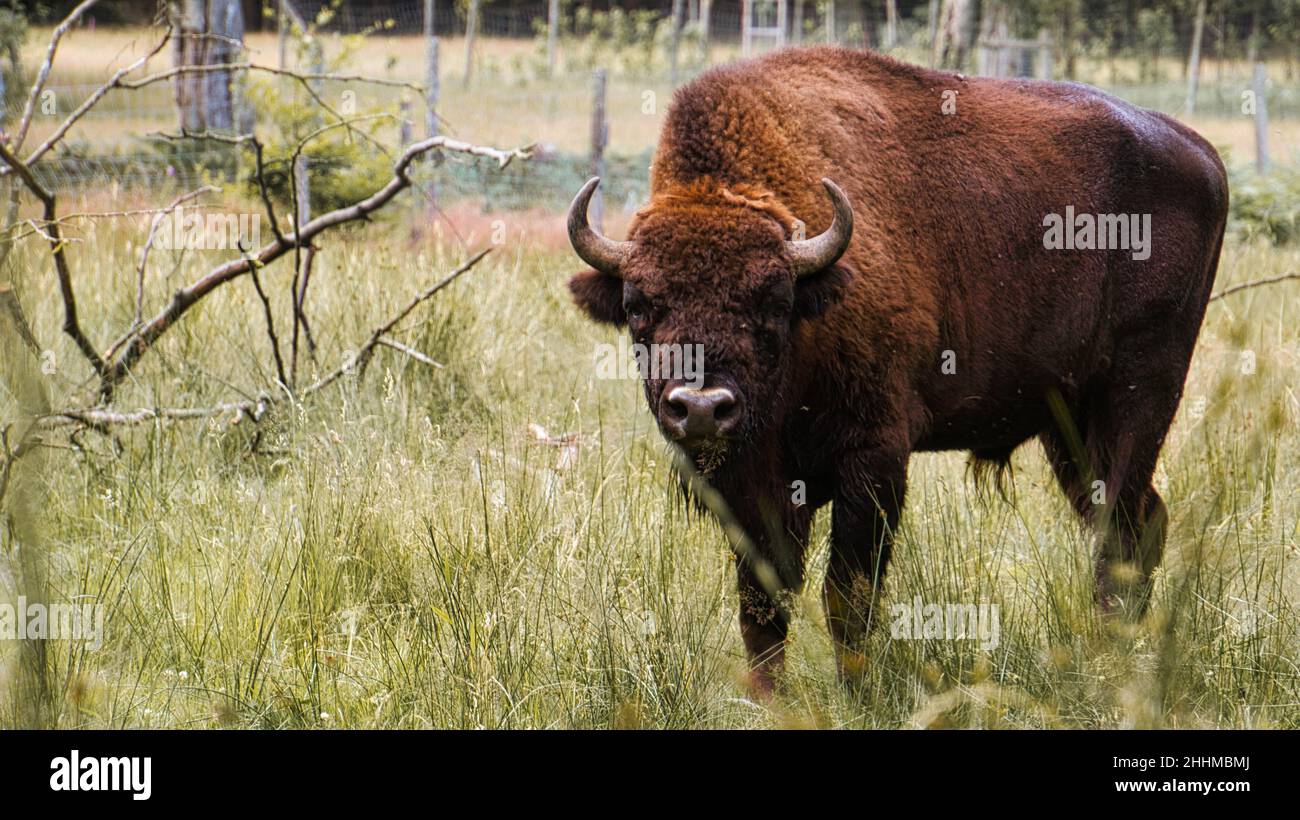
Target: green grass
x: 406, y: 553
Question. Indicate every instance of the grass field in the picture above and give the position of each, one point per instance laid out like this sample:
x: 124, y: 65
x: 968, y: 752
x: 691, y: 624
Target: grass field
x: 500, y: 543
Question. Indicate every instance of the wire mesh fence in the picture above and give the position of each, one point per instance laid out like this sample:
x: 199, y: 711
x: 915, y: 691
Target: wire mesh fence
x: 724, y: 17
x: 91, y: 160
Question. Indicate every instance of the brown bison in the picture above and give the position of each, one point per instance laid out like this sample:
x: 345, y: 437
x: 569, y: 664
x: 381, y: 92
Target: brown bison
x: 994, y: 260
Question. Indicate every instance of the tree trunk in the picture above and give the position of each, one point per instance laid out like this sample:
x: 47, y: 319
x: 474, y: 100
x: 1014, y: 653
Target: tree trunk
x: 210, y: 33
x: 226, y: 23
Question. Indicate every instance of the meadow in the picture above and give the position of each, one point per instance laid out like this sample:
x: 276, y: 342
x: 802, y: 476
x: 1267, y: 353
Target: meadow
x: 499, y: 542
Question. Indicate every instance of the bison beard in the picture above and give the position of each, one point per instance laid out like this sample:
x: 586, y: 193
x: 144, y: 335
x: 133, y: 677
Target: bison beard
x: 923, y: 313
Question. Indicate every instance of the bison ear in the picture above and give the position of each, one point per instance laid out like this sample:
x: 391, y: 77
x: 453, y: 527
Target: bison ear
x: 599, y: 295
x: 814, y: 293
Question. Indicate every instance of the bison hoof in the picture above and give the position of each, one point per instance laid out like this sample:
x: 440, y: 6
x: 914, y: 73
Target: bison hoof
x: 762, y: 683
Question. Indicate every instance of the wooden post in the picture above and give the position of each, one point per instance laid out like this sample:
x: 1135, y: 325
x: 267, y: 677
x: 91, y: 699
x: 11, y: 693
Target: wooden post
x: 599, y: 140
x: 746, y: 13
x: 932, y: 21
x: 471, y: 33
x: 1044, y: 67
x: 1194, y: 61
x: 431, y: 88
x: 706, y: 9
x: 676, y: 42
x: 830, y: 21
x: 302, y: 191
x: 748, y: 31
x: 282, y: 34
x: 1260, y: 87
x: 796, y: 25
x: 405, y: 133
x: 891, y: 23
x: 552, y: 35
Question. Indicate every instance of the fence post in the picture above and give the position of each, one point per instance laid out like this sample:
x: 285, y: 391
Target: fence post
x: 678, y: 8
x: 830, y: 21
x: 282, y: 34
x: 552, y: 35
x: 796, y: 25
x: 746, y: 11
x: 932, y: 23
x: 1260, y: 87
x: 599, y: 139
x: 432, y: 90
x: 1044, y: 68
x: 1194, y: 59
x: 471, y: 32
x: 706, y: 9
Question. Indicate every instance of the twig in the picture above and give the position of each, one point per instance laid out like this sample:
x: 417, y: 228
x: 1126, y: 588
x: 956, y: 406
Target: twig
x: 144, y: 257
x: 70, y: 324
x: 169, y: 73
x: 93, y: 99
x: 410, y: 351
x: 302, y: 258
x: 363, y: 356
x: 44, y: 73
x: 270, y: 329
x: 1246, y: 285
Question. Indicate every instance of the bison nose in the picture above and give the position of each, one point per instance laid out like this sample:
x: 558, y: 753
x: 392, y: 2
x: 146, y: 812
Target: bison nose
x: 691, y: 413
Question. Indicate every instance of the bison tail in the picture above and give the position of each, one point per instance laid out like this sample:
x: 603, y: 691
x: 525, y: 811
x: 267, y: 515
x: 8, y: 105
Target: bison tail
x: 990, y: 468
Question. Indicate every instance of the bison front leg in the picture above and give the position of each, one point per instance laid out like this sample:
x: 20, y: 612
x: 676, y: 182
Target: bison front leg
x: 769, y: 571
x: 865, y: 514
x: 764, y: 624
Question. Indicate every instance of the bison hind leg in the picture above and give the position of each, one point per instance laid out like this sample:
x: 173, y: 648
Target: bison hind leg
x: 1104, y: 455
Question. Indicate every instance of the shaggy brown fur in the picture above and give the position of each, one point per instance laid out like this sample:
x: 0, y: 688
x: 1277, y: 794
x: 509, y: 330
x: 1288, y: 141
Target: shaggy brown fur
x: 842, y: 373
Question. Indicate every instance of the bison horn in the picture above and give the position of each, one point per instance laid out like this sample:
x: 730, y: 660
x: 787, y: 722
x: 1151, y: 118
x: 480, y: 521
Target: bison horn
x: 602, y: 253
x: 807, y: 256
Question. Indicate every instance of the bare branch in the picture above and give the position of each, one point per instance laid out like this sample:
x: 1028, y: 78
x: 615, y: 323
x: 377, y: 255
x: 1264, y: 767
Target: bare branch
x: 301, y: 76
x: 187, y: 297
x: 148, y: 246
x: 270, y: 330
x: 44, y: 73
x: 1272, y: 280
x: 93, y: 99
x: 410, y: 351
x: 255, y: 408
x: 363, y: 356
x: 70, y: 324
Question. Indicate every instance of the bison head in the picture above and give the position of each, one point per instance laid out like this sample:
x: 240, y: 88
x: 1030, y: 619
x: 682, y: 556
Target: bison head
x: 722, y: 273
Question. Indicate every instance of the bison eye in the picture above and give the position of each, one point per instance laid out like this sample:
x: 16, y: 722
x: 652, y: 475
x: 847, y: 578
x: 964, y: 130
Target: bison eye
x: 637, y: 310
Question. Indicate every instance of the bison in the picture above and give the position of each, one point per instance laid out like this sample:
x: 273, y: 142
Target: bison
x: 880, y: 259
